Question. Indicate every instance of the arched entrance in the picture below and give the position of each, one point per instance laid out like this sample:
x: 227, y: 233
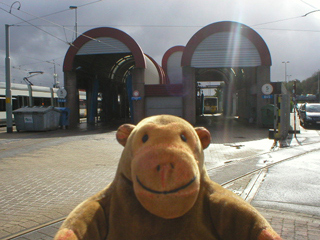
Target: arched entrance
x: 231, y: 52
x: 208, y: 84
x: 108, y: 65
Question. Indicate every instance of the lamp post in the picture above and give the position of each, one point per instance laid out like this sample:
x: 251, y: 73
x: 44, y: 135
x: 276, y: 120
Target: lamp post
x: 76, y: 19
x: 285, y: 70
x: 8, y: 75
x: 317, y: 10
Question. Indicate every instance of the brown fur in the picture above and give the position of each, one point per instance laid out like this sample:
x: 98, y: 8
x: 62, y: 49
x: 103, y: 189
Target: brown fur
x: 162, y: 191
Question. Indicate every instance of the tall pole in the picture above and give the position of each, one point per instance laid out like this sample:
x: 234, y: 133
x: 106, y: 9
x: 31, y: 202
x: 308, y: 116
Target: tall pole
x: 294, y: 96
x: 8, y: 82
x: 76, y: 19
x: 285, y: 70
x: 76, y: 24
x: 55, y: 75
x: 318, y: 86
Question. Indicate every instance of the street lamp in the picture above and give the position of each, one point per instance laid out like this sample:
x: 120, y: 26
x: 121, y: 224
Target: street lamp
x: 8, y: 82
x: 13, y: 4
x: 8, y: 74
x: 285, y: 70
x: 310, y: 12
x: 76, y: 19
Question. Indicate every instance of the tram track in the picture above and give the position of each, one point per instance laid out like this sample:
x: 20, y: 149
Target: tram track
x: 59, y: 221
x: 247, y: 192
x: 260, y: 169
x: 247, y: 189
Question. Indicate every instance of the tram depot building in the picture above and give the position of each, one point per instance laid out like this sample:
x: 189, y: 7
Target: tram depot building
x: 125, y: 83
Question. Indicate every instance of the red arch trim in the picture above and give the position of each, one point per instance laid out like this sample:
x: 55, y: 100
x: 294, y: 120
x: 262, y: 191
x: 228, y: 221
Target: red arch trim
x: 167, y: 55
x: 159, y: 69
x: 226, y: 26
x: 135, y: 49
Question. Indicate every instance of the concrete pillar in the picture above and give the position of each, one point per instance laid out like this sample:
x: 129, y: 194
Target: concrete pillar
x: 263, y: 77
x: 93, y: 101
x: 70, y: 84
x: 228, y: 98
x: 138, y: 85
x: 189, y: 94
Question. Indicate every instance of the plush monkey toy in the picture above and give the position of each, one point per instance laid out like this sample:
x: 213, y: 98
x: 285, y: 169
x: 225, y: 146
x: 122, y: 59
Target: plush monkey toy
x: 162, y: 191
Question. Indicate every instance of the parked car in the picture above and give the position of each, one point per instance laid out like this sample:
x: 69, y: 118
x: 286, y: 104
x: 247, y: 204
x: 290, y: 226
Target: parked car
x: 310, y: 114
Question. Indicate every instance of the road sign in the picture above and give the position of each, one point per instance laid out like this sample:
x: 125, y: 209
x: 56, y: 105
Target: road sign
x: 267, y: 89
x: 269, y: 96
x: 136, y: 93
x: 136, y: 98
x: 62, y: 93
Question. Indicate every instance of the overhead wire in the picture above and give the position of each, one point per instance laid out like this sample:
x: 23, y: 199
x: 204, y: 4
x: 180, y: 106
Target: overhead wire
x: 280, y: 20
x: 38, y: 60
x: 34, y: 25
x: 37, y: 27
x: 65, y: 28
x: 283, y: 29
x: 308, y: 4
x: 111, y: 25
x: 154, y: 26
x: 286, y: 19
x: 61, y: 11
x: 58, y: 25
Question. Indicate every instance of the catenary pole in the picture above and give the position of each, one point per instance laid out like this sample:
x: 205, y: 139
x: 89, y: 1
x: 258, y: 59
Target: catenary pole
x: 8, y: 82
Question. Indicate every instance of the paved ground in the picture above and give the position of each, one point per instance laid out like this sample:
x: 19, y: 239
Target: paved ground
x: 293, y: 185
x: 43, y: 176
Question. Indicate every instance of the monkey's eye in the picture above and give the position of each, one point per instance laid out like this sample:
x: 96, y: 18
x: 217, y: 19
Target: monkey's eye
x: 145, y: 138
x: 183, y: 138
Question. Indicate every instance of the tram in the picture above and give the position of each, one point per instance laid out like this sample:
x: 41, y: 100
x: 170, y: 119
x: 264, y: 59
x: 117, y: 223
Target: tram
x: 210, y: 105
x: 29, y: 95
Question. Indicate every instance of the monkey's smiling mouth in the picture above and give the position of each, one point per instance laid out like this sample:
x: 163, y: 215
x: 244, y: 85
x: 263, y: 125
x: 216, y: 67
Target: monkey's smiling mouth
x: 166, y: 192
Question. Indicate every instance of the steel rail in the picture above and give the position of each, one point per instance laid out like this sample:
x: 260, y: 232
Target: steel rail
x: 27, y: 231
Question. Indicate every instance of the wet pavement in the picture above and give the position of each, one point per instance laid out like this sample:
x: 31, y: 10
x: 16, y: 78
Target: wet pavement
x: 293, y: 185
x: 44, y: 175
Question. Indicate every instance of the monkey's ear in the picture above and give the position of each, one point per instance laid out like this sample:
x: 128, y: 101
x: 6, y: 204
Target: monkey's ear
x: 124, y: 132
x: 204, y: 135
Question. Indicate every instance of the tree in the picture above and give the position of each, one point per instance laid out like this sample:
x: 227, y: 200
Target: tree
x: 307, y: 86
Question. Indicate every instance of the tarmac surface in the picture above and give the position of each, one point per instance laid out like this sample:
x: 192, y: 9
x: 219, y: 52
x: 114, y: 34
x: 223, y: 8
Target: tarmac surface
x: 44, y: 175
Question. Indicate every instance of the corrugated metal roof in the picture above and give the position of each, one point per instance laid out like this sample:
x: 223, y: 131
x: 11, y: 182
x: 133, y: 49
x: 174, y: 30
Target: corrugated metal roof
x: 225, y: 49
x: 103, y: 45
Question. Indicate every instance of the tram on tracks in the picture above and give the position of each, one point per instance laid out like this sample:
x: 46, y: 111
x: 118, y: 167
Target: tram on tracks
x: 210, y: 105
x: 24, y: 95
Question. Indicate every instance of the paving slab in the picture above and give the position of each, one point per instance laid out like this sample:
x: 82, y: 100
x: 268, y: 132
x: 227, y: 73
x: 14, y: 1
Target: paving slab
x: 43, y: 176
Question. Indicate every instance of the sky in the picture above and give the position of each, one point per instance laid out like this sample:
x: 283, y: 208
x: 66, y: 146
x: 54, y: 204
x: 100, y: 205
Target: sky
x: 41, y: 30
